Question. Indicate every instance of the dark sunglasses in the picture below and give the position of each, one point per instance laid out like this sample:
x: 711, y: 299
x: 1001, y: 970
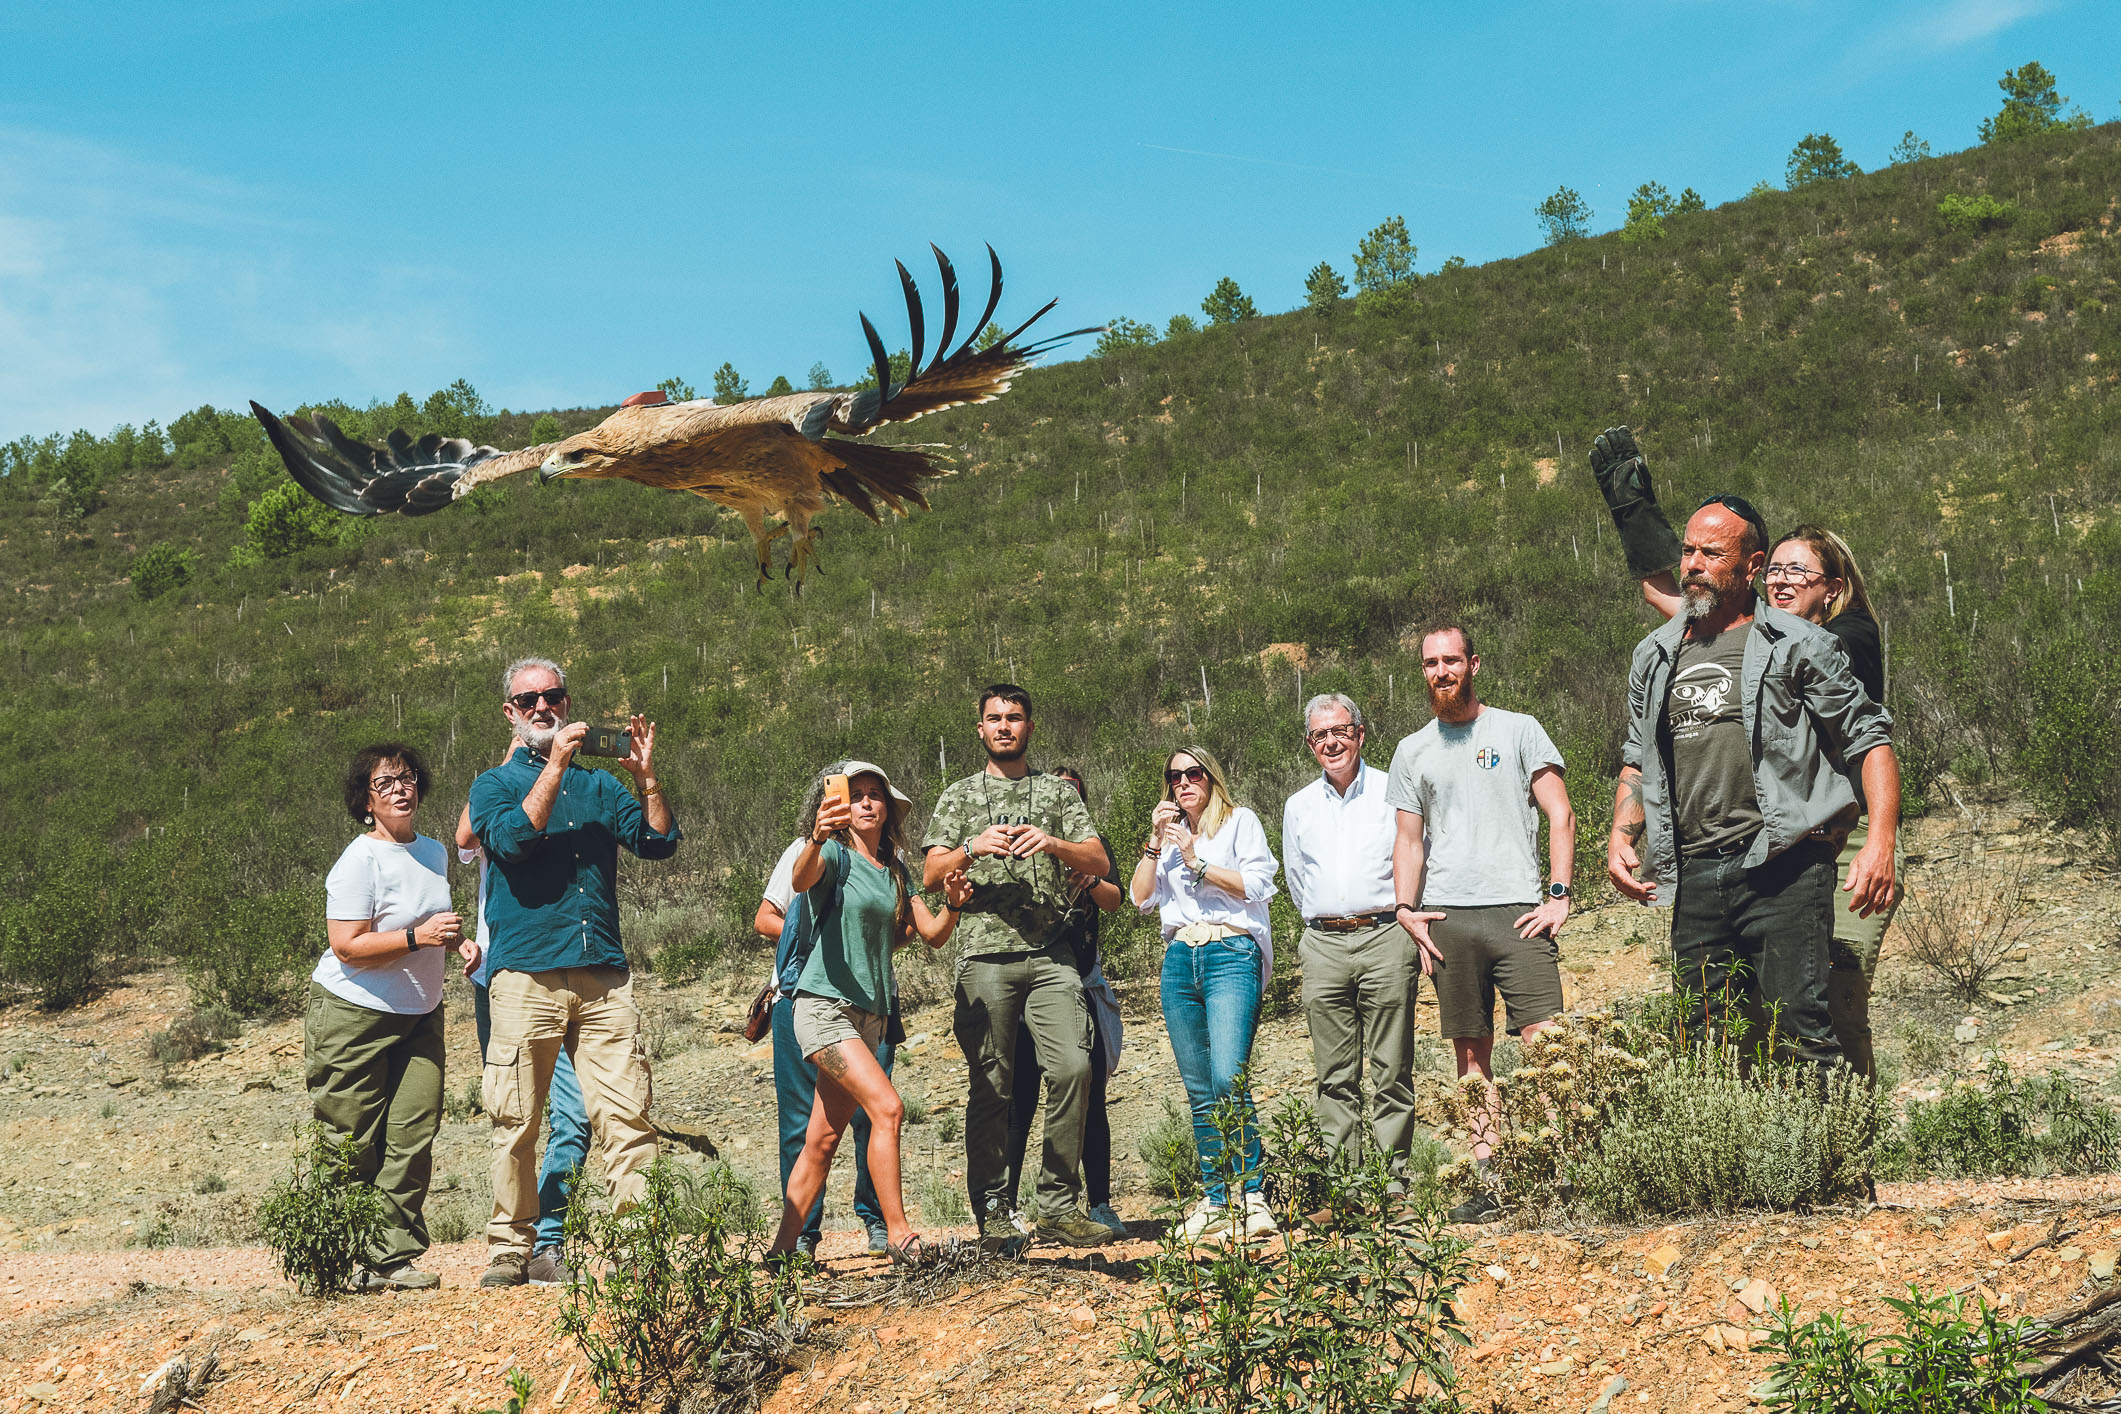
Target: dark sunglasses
x: 1195, y: 774
x: 1740, y: 507
x: 525, y: 701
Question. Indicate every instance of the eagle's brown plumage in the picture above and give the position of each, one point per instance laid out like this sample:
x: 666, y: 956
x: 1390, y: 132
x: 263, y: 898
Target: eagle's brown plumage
x: 769, y: 456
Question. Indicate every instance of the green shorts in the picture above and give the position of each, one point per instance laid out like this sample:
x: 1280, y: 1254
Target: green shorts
x: 1857, y: 940
x: 1483, y: 955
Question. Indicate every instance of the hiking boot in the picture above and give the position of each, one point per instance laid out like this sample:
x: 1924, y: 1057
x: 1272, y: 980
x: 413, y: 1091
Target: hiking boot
x: 1256, y: 1221
x: 1001, y: 1239
x: 879, y: 1241
x: 1208, y: 1222
x: 548, y: 1268
x: 1480, y: 1208
x: 1103, y: 1213
x: 1073, y: 1229
x: 506, y: 1269
x: 403, y: 1277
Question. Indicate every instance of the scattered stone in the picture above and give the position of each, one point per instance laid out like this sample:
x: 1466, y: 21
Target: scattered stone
x: 1613, y: 1389
x: 1660, y: 1262
x: 1811, y: 1243
x: 1562, y: 1366
x: 1108, y: 1400
x: 1083, y: 1318
x: 1966, y: 1033
x: 2071, y: 1254
x: 43, y: 1393
x: 2102, y: 1262
x: 119, y: 1081
x: 1757, y: 1296
x: 1713, y: 1339
x: 262, y: 1083
x: 1500, y: 1274
x: 1999, y: 1240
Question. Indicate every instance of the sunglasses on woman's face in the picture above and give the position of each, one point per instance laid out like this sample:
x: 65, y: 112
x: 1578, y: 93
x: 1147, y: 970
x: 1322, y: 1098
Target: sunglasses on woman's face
x: 1195, y: 774
x: 526, y: 701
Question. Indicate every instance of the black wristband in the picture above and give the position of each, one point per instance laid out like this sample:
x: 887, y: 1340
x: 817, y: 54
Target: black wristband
x: 1399, y: 908
x: 412, y: 941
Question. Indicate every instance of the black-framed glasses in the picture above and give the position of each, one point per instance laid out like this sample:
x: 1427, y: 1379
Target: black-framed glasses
x: 1740, y: 507
x: 1793, y: 573
x: 1345, y: 731
x: 527, y: 701
x: 384, y: 785
x: 1195, y: 774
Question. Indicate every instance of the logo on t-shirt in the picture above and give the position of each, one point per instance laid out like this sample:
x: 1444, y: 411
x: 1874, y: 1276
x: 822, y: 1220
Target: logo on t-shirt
x: 1700, y: 695
x: 1487, y: 758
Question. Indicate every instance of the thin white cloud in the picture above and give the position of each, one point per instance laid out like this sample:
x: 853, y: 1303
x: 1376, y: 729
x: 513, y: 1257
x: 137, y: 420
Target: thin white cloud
x: 1958, y: 22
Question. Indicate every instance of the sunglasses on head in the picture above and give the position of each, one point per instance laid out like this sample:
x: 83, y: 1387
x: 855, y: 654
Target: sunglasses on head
x: 1740, y: 507
x: 1195, y: 774
x: 525, y: 701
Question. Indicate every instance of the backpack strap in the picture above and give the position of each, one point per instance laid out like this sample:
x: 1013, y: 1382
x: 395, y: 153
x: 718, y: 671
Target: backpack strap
x: 811, y: 929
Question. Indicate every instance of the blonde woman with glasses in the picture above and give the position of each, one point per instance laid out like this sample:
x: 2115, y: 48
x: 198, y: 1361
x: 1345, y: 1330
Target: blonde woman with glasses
x: 1207, y: 873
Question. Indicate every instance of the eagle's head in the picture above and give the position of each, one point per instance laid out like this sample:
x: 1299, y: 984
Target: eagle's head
x: 576, y: 457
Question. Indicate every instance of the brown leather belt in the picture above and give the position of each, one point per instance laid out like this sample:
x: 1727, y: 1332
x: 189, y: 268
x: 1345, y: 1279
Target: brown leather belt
x: 1350, y: 923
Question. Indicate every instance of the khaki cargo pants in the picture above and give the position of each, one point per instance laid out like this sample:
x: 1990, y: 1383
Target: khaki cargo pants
x: 590, y: 1011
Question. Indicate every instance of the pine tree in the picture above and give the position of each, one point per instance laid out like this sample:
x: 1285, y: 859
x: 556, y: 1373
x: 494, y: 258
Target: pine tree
x: 1226, y: 304
x: 1564, y: 216
x: 1324, y: 288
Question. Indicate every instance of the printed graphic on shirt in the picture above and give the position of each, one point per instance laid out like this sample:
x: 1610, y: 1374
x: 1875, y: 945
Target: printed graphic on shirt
x: 1702, y: 695
x: 1487, y: 758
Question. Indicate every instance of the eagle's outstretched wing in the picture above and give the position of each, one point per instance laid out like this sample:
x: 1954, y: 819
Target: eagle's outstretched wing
x: 411, y: 477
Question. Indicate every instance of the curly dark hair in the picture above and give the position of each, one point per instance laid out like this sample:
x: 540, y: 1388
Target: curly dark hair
x: 361, y: 770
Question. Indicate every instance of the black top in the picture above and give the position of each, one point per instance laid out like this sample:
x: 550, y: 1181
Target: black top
x: 1858, y: 633
x: 1080, y: 928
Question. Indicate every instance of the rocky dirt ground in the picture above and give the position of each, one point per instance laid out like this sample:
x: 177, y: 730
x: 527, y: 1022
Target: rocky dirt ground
x: 127, y: 1209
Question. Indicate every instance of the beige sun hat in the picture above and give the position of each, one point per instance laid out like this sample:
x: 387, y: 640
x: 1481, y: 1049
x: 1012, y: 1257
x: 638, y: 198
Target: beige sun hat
x: 870, y: 768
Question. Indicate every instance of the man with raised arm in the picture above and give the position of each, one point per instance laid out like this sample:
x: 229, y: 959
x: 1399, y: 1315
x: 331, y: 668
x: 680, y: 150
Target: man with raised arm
x: 1746, y: 726
x: 1018, y: 834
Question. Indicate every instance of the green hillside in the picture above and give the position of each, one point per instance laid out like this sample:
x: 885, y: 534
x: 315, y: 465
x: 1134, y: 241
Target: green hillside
x: 1152, y: 541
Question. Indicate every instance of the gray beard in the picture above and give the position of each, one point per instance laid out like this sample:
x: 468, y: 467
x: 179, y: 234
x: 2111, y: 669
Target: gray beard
x: 538, y: 739
x: 1700, y: 600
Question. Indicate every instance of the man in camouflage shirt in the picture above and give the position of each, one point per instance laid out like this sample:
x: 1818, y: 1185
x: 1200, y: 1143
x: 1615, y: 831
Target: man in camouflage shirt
x: 1016, y: 833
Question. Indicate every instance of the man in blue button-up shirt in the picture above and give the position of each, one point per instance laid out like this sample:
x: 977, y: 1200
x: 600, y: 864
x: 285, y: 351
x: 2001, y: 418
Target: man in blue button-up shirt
x: 552, y: 832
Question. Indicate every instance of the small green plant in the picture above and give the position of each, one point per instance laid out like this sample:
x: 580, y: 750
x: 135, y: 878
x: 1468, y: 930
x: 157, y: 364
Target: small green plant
x: 321, y: 1218
x: 466, y: 1104
x: 950, y: 1126
x: 2003, y: 1125
x: 1947, y: 1354
x: 519, y: 1388
x: 917, y: 1109
x: 1980, y: 212
x: 157, y: 1234
x: 210, y: 1183
x: 449, y: 1225
x: 1352, y: 1312
x: 1173, y: 1159
x: 109, y: 1110
x: 1925, y: 1048
x: 160, y: 568
x: 668, y: 1309
x: 199, y: 1032
x: 716, y: 1196
x: 1966, y: 913
x: 943, y: 1203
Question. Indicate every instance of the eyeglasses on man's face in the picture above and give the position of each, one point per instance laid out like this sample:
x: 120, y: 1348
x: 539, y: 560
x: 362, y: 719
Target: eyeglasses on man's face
x: 386, y: 785
x: 1793, y: 573
x: 1195, y: 774
x: 528, y: 701
x: 1346, y: 731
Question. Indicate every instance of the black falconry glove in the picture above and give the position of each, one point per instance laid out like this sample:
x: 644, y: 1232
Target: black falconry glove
x: 1624, y: 480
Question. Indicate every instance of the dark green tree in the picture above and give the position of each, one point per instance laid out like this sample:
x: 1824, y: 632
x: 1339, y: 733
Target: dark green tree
x: 729, y: 385
x: 820, y: 377
x: 1324, y: 288
x: 1909, y: 149
x: 678, y: 390
x: 1451, y: 262
x: 1384, y: 268
x: 2030, y: 107
x: 160, y: 568
x: 988, y: 338
x: 1647, y: 208
x: 779, y: 386
x: 1564, y: 216
x: 1125, y: 333
x: 1179, y: 324
x: 545, y: 429
x: 1690, y: 200
x: 1226, y: 304
x: 1817, y: 158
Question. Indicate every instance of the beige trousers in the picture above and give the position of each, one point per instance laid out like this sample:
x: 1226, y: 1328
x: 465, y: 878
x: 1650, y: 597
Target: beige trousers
x: 590, y: 1011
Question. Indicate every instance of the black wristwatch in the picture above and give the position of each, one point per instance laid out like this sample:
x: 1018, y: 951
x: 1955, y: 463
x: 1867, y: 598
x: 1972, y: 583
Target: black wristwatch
x: 412, y: 941
x: 1557, y: 891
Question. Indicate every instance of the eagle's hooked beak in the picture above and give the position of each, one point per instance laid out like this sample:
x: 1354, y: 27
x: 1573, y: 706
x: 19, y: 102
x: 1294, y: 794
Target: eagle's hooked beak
x: 558, y: 464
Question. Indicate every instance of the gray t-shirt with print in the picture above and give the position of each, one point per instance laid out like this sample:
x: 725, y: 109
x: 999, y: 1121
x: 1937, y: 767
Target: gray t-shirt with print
x: 1713, y: 797
x: 1471, y: 783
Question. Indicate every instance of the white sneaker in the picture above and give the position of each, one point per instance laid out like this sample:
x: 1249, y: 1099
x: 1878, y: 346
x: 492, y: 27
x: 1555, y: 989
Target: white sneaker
x: 1258, y: 1220
x: 1206, y: 1223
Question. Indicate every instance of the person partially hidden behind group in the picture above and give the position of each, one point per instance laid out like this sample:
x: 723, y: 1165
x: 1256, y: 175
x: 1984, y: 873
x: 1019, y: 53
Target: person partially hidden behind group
x: 1207, y: 873
x: 862, y: 905
x: 372, y: 1041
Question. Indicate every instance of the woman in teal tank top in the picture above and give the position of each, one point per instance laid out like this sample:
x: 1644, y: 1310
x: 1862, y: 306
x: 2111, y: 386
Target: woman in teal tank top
x: 859, y: 907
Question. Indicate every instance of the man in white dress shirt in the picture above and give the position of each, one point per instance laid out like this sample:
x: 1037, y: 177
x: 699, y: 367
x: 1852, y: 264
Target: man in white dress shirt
x: 1360, y: 967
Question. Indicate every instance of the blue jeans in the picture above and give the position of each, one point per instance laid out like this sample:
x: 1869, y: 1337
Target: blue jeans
x: 795, y: 1091
x: 1211, y: 1010
x: 566, y: 1146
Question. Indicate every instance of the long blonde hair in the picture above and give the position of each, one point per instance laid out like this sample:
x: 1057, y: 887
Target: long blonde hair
x: 1838, y: 562
x: 1216, y: 813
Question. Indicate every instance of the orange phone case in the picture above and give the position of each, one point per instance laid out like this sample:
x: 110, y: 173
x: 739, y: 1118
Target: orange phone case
x: 836, y: 789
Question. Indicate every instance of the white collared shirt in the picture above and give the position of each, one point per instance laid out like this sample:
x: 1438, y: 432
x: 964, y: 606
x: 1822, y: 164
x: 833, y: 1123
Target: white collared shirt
x: 1336, y: 849
x: 1241, y: 844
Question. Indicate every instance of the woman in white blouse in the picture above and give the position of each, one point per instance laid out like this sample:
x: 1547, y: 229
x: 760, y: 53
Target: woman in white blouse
x: 1207, y: 873
x: 372, y: 1041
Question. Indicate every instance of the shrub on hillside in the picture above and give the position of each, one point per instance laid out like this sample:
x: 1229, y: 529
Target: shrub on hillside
x: 320, y: 1219
x: 1980, y: 212
x: 1947, y: 1354
x: 2001, y: 1125
x: 1966, y: 912
x: 54, y: 930
x: 253, y: 948
x: 198, y: 1032
x: 160, y: 568
x: 1168, y: 1151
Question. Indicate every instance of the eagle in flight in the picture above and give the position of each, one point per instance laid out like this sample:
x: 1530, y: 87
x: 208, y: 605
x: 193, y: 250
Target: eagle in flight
x: 767, y: 455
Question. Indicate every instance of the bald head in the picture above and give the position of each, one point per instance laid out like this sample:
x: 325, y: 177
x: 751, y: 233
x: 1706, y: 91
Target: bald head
x: 1718, y: 558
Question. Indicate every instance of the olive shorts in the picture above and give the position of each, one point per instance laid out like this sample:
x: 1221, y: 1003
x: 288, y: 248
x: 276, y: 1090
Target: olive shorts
x: 821, y: 1022
x: 1483, y: 955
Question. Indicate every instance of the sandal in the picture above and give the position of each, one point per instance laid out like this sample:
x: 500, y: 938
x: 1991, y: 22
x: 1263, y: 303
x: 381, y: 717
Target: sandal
x: 913, y: 1254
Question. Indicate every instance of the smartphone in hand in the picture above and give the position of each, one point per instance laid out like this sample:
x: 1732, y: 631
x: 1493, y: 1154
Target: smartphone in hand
x: 837, y: 789
x: 607, y: 741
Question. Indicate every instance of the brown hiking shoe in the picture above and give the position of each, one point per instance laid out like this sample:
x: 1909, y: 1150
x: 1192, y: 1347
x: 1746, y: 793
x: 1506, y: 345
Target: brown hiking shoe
x: 506, y: 1269
x: 548, y: 1268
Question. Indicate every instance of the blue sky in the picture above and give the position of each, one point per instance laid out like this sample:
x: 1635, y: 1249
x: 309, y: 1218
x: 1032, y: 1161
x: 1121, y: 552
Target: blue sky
x: 302, y: 199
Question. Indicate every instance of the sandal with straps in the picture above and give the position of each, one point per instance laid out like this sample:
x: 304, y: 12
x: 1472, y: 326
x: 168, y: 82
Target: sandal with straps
x: 914, y: 1253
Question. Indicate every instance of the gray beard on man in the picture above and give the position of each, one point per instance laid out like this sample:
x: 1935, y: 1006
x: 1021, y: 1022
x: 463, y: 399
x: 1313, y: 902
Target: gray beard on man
x: 538, y: 739
x: 1700, y: 598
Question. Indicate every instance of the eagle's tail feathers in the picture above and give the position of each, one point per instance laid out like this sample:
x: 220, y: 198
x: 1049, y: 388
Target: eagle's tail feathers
x: 892, y: 474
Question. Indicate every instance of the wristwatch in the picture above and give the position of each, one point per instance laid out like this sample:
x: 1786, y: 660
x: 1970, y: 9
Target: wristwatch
x: 1557, y: 891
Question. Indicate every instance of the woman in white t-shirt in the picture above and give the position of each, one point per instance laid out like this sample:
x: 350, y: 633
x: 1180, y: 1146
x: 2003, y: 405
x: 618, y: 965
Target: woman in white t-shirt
x: 372, y: 1042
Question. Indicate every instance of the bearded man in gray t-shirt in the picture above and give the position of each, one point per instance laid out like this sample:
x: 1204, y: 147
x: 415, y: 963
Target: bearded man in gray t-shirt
x: 1470, y: 787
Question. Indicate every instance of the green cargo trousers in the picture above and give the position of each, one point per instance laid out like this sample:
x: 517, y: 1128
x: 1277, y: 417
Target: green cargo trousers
x: 1359, y: 1001
x: 377, y: 1076
x: 1044, y: 993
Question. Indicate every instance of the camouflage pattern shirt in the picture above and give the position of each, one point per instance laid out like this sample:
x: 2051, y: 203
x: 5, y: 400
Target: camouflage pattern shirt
x: 1018, y: 906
